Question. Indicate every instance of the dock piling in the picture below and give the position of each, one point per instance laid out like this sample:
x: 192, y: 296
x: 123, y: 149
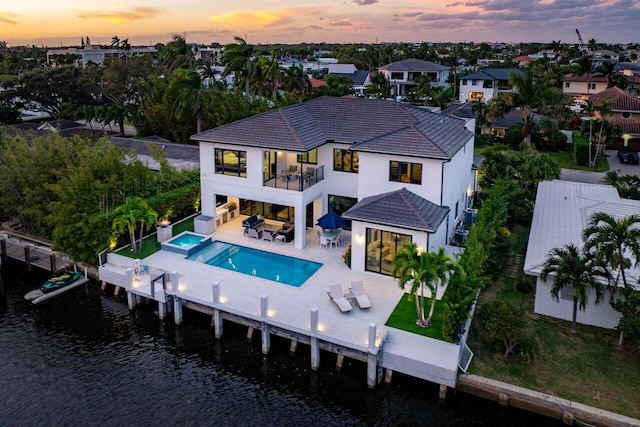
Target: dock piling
x: 177, y: 309
x: 266, y: 336
x: 315, y: 348
x: 27, y: 256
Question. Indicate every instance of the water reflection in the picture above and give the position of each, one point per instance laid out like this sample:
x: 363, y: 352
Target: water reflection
x: 84, y: 359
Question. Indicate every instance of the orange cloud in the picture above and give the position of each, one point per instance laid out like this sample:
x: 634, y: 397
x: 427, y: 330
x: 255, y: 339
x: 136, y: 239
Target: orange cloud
x: 5, y: 20
x: 122, y: 17
x: 252, y: 19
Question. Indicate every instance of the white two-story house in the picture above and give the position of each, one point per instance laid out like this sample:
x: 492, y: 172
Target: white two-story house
x: 402, y: 74
x: 396, y: 173
x: 483, y: 85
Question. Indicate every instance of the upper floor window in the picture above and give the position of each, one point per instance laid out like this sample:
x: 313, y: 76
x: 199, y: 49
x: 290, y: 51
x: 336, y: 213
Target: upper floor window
x: 464, y: 81
x: 567, y: 84
x: 309, y: 157
x: 592, y: 86
x: 231, y: 162
x: 397, y: 76
x: 410, y: 173
x: 626, y: 114
x: 474, y: 83
x: 345, y: 160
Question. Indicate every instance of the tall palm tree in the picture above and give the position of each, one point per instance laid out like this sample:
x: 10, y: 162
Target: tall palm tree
x: 177, y: 54
x: 571, y: 268
x: 271, y: 72
x: 608, y: 239
x: 128, y: 215
x: 295, y: 80
x: 190, y: 95
x: 413, y: 267
x: 443, y: 266
x: 479, y: 109
x: 237, y: 59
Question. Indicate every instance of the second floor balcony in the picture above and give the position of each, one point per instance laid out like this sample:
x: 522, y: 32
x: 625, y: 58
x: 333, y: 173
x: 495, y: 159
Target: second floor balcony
x: 295, y: 178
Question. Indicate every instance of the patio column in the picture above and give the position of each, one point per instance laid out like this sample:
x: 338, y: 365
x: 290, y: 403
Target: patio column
x: 300, y: 233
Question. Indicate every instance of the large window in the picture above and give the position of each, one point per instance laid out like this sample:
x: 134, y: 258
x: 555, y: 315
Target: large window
x: 267, y: 210
x: 381, y: 248
x: 309, y: 157
x: 345, y: 160
x: 231, y: 162
x: 411, y: 173
x: 341, y: 204
x: 397, y: 76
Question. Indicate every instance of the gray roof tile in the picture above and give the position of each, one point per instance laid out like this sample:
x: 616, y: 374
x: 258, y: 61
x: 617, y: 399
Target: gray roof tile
x: 413, y: 64
x: 369, y: 124
x: 400, y: 208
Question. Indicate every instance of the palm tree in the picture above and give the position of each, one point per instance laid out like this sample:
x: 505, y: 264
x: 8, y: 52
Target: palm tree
x: 412, y: 266
x: 128, y: 215
x: 271, y: 72
x: 237, y: 59
x: 608, y: 239
x: 177, y: 54
x: 444, y: 266
x: 295, y: 80
x: 573, y: 269
x: 115, y: 42
x: 479, y: 109
x: 191, y: 96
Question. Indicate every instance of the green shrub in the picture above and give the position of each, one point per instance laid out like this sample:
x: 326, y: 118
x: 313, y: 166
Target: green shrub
x: 580, y: 149
x: 527, y: 348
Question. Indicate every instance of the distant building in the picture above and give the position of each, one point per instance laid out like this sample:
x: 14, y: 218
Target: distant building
x: 583, y: 85
x: 95, y: 54
x: 402, y: 74
x: 360, y: 79
x: 483, y: 85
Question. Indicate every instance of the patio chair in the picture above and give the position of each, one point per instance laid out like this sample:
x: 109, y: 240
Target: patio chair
x: 357, y: 289
x: 337, y: 297
x: 252, y: 232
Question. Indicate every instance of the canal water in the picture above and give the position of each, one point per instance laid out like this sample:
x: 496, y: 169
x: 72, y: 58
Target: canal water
x: 83, y: 359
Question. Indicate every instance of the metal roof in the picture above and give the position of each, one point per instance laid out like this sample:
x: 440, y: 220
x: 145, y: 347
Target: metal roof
x: 372, y: 125
x: 400, y: 208
x: 562, y: 211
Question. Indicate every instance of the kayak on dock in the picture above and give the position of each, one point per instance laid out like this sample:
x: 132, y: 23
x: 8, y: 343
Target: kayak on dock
x: 55, y: 286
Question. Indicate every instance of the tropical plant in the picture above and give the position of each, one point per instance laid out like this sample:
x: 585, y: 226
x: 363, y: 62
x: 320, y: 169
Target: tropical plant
x: 505, y: 321
x: 422, y: 269
x: 578, y: 271
x: 190, y: 96
x: 134, y: 210
x: 629, y: 308
x: 608, y: 239
x: 237, y: 59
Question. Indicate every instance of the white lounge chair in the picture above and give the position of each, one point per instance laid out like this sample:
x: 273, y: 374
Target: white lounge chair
x: 252, y: 232
x: 357, y: 289
x: 337, y: 296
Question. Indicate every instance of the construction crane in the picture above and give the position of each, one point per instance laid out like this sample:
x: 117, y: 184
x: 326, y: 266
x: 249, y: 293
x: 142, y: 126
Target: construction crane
x: 582, y: 45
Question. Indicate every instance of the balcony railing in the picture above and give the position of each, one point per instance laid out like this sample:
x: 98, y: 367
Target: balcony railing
x: 297, y: 181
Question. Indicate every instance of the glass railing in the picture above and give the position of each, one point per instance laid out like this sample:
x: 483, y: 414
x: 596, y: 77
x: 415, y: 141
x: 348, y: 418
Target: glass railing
x: 296, y: 180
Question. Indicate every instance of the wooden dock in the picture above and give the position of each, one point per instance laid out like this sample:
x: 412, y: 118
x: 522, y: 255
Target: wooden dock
x: 33, y: 251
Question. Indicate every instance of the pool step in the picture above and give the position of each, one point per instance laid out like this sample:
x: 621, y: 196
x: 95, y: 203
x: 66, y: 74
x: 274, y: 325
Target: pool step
x: 224, y: 255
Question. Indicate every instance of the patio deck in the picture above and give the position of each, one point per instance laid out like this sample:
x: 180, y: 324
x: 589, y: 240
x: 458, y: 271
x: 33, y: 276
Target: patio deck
x: 290, y: 308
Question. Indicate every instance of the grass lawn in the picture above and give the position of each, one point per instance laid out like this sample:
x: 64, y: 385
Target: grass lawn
x: 574, y: 367
x: 404, y: 317
x: 565, y: 160
x: 150, y: 244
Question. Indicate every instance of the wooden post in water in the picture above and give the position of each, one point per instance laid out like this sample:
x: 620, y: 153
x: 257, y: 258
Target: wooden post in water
x: 315, y: 348
x: 27, y: 256
x: 372, y: 360
x: 52, y: 261
x: 442, y: 394
x: 131, y: 300
x: 217, y: 314
x: 162, y: 307
x: 266, y: 336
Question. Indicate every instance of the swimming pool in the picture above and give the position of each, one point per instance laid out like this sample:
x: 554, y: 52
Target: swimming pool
x: 186, y: 243
x: 278, y: 268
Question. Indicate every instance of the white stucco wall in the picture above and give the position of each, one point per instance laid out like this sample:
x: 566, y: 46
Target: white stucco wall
x: 457, y: 181
x: 488, y: 93
x: 601, y: 315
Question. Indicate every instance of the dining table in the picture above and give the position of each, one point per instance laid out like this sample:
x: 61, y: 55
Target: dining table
x: 332, y: 236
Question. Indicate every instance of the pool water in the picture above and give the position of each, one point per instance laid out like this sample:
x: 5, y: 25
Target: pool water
x: 186, y: 243
x: 186, y: 239
x: 278, y: 268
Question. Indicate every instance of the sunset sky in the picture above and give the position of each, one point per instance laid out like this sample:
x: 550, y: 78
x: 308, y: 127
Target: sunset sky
x: 64, y: 22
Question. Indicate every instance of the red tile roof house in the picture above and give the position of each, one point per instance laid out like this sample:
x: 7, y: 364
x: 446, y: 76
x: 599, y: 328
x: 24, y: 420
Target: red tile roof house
x: 625, y: 113
x: 396, y: 172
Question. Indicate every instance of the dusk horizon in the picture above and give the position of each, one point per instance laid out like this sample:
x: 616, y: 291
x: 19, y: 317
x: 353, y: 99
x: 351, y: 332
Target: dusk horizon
x: 334, y: 22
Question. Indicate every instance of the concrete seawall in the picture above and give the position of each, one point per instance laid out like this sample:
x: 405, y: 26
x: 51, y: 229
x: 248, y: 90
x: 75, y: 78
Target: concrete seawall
x: 571, y: 413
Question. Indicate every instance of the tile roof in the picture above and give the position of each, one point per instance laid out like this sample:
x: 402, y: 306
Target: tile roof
x: 181, y: 155
x: 629, y: 126
x: 413, y: 64
x: 400, y: 208
x: 562, y: 211
x: 358, y: 78
x: 618, y: 98
x: 593, y: 78
x: 493, y: 74
x: 369, y: 124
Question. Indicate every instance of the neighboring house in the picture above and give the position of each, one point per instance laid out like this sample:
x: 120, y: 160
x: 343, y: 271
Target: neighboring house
x: 397, y: 173
x: 625, y: 113
x: 500, y: 125
x: 561, y: 213
x: 599, y: 57
x: 360, y: 79
x: 483, y: 85
x: 180, y: 156
x: 96, y: 54
x: 402, y: 74
x: 583, y: 85
x: 523, y: 60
